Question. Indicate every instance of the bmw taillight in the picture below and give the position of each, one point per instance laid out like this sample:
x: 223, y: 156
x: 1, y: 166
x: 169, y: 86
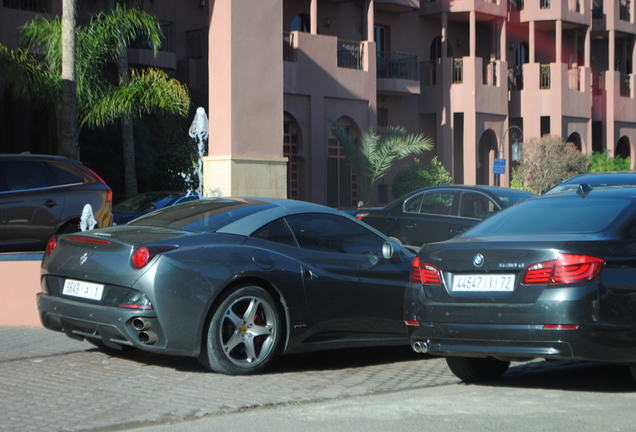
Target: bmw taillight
x: 142, y: 255
x: 50, y: 245
x: 424, y: 273
x: 566, y: 269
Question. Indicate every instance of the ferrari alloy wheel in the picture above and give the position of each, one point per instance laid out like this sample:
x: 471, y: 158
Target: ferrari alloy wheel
x: 477, y: 369
x: 244, y: 332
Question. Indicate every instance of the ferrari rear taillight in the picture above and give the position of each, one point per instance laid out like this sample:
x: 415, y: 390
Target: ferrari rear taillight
x: 424, y: 273
x: 89, y: 240
x: 142, y: 255
x: 50, y: 245
x: 566, y: 269
x: 136, y: 300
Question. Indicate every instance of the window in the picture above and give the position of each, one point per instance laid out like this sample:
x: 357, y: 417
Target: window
x: 62, y: 176
x: 300, y: 23
x: 22, y: 175
x: 545, y: 125
x: 439, y: 203
x: 475, y: 205
x: 412, y: 205
x: 332, y: 233
x: 276, y: 231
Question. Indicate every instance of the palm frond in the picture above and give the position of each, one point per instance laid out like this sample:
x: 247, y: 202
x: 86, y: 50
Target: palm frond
x: 29, y: 77
x: 42, y: 37
x: 149, y: 90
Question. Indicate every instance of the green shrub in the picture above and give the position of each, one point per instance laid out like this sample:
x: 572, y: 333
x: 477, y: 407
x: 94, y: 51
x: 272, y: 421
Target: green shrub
x: 599, y: 161
x: 416, y: 176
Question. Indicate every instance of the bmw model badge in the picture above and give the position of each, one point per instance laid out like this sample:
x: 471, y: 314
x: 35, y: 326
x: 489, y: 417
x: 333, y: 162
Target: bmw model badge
x: 478, y: 260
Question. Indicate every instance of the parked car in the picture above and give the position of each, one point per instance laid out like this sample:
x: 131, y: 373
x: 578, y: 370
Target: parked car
x: 596, y: 179
x: 438, y: 213
x: 42, y: 195
x: 231, y: 281
x: 552, y: 277
x: 140, y: 204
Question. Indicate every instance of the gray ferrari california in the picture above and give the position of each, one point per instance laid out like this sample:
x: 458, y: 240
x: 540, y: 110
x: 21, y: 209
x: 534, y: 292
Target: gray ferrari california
x: 232, y: 281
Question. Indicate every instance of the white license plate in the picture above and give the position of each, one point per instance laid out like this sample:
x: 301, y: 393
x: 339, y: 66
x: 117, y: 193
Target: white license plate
x: 82, y: 289
x: 483, y: 282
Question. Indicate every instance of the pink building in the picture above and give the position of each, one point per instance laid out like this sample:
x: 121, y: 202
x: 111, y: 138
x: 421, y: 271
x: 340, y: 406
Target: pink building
x: 476, y: 75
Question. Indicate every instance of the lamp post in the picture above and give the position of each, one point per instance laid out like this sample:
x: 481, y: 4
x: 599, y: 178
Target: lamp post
x: 516, y: 133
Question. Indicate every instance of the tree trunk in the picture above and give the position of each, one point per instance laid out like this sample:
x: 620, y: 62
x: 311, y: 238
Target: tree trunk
x: 69, y: 145
x: 127, y: 135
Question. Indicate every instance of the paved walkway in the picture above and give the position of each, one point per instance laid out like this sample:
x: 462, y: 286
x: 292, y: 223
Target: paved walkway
x: 50, y: 382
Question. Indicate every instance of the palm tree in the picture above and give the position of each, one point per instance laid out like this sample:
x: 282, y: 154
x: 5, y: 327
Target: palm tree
x: 377, y: 153
x: 102, y: 99
x: 69, y: 133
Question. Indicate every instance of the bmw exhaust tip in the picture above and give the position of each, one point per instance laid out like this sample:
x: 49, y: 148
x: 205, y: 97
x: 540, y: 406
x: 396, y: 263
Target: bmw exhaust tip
x: 420, y: 347
x: 147, y: 337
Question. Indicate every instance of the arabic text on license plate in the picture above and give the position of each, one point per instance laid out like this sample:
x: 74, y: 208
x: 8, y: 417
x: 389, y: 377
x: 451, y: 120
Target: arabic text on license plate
x: 82, y: 289
x: 483, y: 282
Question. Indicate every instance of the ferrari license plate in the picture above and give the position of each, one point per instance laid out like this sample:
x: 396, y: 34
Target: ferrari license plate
x: 82, y: 289
x: 483, y: 282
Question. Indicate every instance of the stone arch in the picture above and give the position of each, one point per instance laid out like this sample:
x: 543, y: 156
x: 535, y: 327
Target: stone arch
x: 486, y: 154
x: 575, y: 139
x: 623, y: 147
x: 294, y: 152
x: 342, y: 181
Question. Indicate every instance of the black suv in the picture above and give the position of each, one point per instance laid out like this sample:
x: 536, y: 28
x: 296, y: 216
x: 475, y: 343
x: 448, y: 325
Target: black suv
x: 41, y: 195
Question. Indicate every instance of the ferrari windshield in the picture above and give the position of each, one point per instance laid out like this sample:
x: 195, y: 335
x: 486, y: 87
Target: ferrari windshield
x: 202, y: 215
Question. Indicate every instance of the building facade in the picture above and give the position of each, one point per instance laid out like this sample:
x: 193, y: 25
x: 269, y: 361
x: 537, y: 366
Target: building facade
x: 478, y: 76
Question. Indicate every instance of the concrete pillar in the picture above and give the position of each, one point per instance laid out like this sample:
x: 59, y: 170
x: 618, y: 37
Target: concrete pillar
x: 370, y: 21
x: 444, y: 36
x: 313, y: 17
x: 245, y: 99
x: 473, y: 34
x: 634, y: 55
x: 587, y: 47
x: 531, y: 42
x: 611, y: 62
x: 559, y: 41
x: 503, y: 51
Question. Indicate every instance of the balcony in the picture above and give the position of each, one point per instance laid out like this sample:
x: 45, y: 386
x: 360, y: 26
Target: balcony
x: 397, y: 5
x: 489, y: 7
x: 625, y: 85
x: 398, y: 73
x: 289, y: 51
x: 572, y: 11
x: 490, y: 73
x: 349, y: 54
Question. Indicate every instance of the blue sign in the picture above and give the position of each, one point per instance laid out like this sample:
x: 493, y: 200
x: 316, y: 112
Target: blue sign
x: 499, y: 166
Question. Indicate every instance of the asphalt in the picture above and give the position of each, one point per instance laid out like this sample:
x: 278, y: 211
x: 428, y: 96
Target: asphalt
x: 50, y: 382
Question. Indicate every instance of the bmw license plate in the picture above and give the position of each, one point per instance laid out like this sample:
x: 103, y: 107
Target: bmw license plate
x: 483, y: 282
x: 82, y: 289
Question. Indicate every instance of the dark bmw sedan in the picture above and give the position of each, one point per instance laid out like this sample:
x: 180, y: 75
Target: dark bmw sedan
x: 231, y: 281
x: 552, y: 277
x: 438, y: 213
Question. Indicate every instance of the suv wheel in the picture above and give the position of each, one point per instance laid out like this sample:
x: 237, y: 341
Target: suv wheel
x: 477, y: 369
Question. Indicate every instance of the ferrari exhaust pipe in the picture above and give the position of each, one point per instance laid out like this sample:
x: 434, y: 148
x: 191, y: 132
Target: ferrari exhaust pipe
x: 140, y: 324
x: 420, y: 347
x: 147, y: 337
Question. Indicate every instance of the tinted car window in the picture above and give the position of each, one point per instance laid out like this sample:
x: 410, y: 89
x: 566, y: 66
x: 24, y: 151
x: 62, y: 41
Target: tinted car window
x: 553, y: 216
x: 202, y: 216
x: 23, y: 175
x: 62, y: 176
x: 476, y: 205
x: 276, y: 231
x: 333, y: 233
x: 412, y: 205
x: 439, y: 202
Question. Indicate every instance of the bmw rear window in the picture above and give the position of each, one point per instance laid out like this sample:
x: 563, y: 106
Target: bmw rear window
x: 202, y: 215
x: 563, y: 215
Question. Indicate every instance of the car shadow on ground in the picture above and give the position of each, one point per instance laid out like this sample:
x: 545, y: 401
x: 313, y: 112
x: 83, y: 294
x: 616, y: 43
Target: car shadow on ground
x: 568, y: 376
x: 304, y: 362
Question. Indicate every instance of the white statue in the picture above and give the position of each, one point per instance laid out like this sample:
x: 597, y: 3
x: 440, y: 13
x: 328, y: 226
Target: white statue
x: 87, y: 220
x: 199, y: 132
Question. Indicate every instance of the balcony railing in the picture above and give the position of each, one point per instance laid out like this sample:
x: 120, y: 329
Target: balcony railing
x: 574, y: 79
x: 490, y: 73
x: 544, y: 4
x: 429, y: 72
x: 289, y: 52
x: 625, y: 85
x: 515, y: 78
x: 544, y: 76
x: 29, y: 5
x: 397, y: 65
x: 458, y: 70
x: 625, y: 14
x: 349, y: 54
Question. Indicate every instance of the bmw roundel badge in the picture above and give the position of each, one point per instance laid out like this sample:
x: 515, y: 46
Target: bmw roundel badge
x: 478, y: 260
